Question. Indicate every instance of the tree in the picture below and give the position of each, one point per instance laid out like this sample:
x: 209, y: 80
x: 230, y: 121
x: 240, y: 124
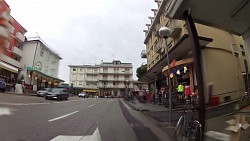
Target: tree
x: 141, y: 71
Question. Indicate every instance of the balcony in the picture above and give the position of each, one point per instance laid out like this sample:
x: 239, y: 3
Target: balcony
x: 11, y: 61
x: 11, y: 28
x: 175, y: 31
x: 6, y: 44
x: 20, y: 37
x: 17, y: 51
x: 143, y: 54
x: 157, y: 49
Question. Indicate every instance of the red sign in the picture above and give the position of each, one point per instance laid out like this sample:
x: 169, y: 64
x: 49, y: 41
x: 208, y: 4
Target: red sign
x: 172, y: 64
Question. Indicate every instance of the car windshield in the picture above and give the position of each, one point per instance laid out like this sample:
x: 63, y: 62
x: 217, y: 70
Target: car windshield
x: 125, y: 70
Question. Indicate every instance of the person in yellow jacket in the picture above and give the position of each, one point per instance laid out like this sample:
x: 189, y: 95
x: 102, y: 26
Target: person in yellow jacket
x: 180, y: 90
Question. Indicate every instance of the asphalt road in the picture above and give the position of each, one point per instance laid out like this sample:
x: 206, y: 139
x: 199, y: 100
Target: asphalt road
x: 44, y: 121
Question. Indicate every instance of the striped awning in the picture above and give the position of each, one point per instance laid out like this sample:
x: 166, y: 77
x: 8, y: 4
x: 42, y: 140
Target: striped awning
x: 8, y: 67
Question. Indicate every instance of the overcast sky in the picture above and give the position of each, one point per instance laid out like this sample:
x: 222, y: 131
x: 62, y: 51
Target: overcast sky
x: 87, y: 31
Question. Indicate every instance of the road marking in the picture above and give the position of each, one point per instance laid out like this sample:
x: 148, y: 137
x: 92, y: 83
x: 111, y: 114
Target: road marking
x: 54, y: 119
x: 92, y: 105
x: 111, y: 100
x: 94, y: 137
x: 125, y: 104
x: 5, y: 111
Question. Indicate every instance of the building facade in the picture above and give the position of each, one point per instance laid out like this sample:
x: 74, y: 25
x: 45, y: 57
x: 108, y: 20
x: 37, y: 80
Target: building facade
x: 84, y: 76
x: 40, y: 64
x: 109, y: 78
x: 224, y: 59
x: 12, y: 51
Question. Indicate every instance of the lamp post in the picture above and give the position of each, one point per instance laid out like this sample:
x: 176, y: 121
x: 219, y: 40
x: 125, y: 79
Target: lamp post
x: 165, y: 32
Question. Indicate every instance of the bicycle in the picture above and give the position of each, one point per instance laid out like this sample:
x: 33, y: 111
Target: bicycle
x: 193, y: 128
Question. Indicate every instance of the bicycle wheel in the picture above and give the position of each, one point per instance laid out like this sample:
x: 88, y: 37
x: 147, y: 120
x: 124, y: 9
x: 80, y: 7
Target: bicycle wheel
x: 194, y: 131
x: 179, y: 124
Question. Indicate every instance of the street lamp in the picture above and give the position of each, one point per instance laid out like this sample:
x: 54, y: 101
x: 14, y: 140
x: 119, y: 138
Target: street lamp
x: 165, y: 32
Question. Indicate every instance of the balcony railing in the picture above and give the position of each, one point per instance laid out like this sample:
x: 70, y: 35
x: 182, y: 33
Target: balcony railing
x: 17, y: 51
x: 11, y: 28
x: 11, y: 61
x: 20, y: 37
x: 6, y: 44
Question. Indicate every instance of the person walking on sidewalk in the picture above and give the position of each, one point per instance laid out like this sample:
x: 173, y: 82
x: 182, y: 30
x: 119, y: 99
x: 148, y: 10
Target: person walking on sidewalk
x: 180, y: 90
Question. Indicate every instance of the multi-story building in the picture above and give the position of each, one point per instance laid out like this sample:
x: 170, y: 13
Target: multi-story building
x: 84, y: 76
x: 115, y: 78
x: 110, y: 78
x: 11, y: 53
x: 224, y: 59
x: 40, y: 64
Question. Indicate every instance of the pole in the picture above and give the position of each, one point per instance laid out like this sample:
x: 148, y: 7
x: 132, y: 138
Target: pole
x: 196, y: 49
x: 169, y: 86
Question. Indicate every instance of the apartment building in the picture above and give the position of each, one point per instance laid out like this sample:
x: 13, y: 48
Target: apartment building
x: 116, y: 78
x: 224, y: 59
x: 12, y: 51
x: 84, y: 76
x: 109, y: 78
x: 40, y: 64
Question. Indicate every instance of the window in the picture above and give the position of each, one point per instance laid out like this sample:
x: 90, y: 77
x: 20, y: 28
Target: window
x: 41, y: 52
x: 74, y: 69
x: 80, y: 69
x: 80, y: 82
x: 114, y: 83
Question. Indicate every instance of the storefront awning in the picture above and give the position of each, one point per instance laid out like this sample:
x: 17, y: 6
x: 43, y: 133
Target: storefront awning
x: 181, y: 50
x: 8, y: 67
x: 91, y: 91
x: 46, y: 75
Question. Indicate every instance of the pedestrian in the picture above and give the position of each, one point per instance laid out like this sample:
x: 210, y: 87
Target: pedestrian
x: 180, y: 90
x: 14, y: 87
x: 187, y: 92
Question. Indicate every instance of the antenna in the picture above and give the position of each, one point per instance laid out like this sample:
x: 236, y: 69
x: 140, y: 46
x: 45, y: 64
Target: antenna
x: 113, y: 56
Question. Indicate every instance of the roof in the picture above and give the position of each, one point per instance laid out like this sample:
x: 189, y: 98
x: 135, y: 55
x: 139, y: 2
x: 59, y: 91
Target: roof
x: 85, y: 66
x: 37, y: 71
x: 37, y: 38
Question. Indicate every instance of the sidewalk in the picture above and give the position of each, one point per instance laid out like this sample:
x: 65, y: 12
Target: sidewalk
x: 160, y: 115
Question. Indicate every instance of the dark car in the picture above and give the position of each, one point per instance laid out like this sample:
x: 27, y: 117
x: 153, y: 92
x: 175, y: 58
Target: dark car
x: 57, y: 93
x: 2, y: 85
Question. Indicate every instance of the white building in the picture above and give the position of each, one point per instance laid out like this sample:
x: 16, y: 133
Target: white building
x: 110, y: 78
x: 40, y: 64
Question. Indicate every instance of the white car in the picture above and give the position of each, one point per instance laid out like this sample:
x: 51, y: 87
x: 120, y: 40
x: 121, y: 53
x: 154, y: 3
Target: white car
x: 83, y: 95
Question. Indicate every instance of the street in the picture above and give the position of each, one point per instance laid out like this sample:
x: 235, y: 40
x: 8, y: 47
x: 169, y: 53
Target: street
x: 44, y: 120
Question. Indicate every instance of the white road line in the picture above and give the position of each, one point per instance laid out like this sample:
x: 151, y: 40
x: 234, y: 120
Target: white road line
x: 92, y: 105
x: 125, y: 104
x: 110, y: 100
x: 54, y: 119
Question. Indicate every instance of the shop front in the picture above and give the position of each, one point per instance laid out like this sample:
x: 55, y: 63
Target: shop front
x: 9, y: 74
x: 36, y: 80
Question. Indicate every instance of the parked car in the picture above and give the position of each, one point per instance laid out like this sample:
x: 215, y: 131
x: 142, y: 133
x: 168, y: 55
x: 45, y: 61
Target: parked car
x: 57, y: 93
x: 2, y: 85
x: 83, y: 95
x: 42, y: 92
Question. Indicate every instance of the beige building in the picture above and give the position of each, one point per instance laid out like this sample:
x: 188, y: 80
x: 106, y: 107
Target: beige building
x: 109, y: 78
x: 223, y: 56
x: 84, y: 76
